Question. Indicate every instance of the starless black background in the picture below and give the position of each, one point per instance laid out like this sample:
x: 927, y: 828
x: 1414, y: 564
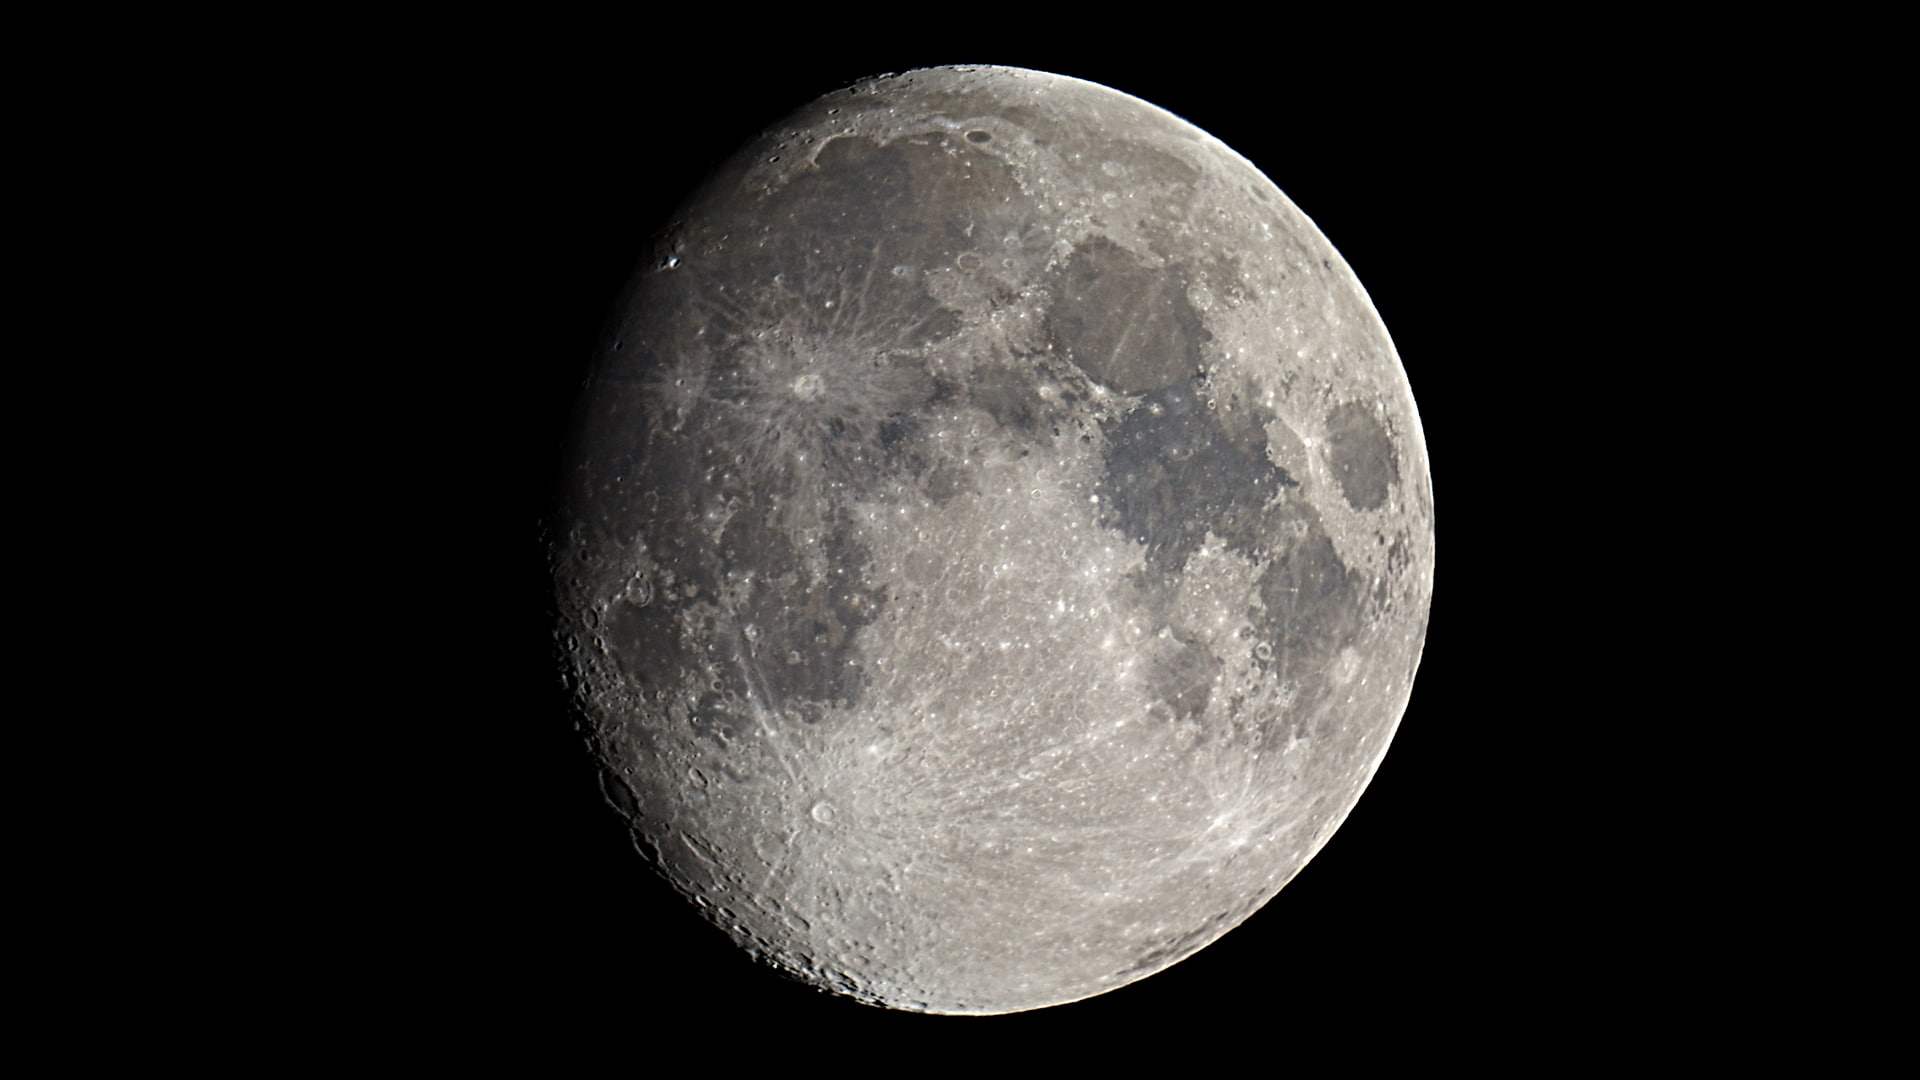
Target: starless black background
x: 521, y: 182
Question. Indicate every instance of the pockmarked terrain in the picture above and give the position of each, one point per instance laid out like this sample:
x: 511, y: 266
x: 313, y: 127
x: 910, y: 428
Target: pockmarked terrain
x: 998, y: 543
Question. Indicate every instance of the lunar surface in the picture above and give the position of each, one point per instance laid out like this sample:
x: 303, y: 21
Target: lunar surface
x: 998, y: 543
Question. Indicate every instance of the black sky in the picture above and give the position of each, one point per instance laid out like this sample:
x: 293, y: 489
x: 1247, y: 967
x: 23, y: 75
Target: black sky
x: 530, y: 180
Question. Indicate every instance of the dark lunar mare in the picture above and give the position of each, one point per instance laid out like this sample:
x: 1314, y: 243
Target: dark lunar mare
x: 1036, y: 323
x: 1173, y: 475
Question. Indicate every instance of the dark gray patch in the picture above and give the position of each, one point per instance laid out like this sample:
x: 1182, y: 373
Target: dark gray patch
x: 852, y: 171
x: 903, y: 446
x: 1173, y: 474
x: 948, y: 481
x: 616, y: 455
x: 936, y: 195
x: 795, y: 633
x: 1181, y: 676
x: 1313, y: 602
x: 1361, y: 455
x: 1014, y: 400
x: 1127, y: 325
x: 645, y: 641
x: 898, y: 433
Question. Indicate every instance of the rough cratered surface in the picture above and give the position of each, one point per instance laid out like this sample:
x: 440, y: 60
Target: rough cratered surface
x: 999, y: 543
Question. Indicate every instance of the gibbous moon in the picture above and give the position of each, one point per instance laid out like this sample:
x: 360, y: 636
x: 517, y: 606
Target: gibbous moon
x: 998, y: 543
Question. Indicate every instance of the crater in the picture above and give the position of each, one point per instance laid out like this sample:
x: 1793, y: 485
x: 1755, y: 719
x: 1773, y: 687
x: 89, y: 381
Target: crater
x: 1360, y: 453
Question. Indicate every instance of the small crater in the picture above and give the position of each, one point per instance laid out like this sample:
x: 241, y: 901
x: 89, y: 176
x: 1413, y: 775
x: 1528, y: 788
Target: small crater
x: 979, y: 136
x: 809, y: 387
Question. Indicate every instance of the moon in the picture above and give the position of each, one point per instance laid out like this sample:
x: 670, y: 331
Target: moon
x: 998, y: 543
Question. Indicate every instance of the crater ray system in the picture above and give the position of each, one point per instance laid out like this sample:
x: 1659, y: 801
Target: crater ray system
x: 998, y: 543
